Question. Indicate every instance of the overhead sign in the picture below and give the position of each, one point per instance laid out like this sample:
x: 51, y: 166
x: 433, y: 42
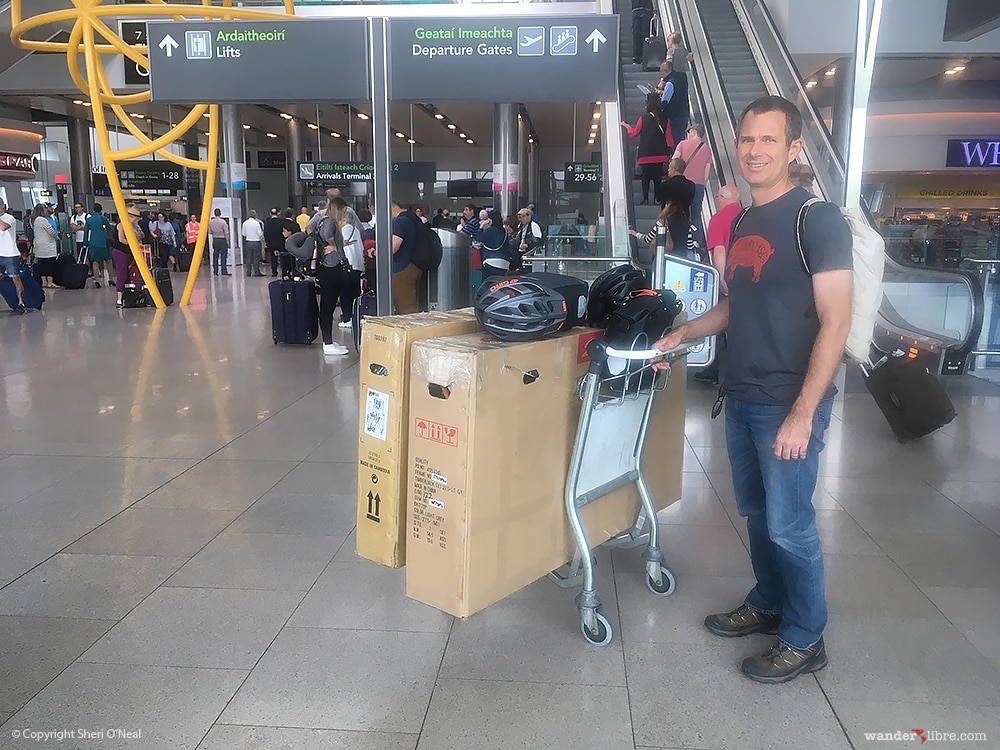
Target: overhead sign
x: 359, y: 171
x: 11, y: 161
x: 134, y: 33
x: 510, y: 59
x: 143, y: 178
x: 980, y: 153
x: 582, y: 177
x: 259, y: 61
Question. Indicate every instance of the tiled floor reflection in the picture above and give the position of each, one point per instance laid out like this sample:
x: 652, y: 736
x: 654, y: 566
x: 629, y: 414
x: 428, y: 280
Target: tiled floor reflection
x: 176, y: 557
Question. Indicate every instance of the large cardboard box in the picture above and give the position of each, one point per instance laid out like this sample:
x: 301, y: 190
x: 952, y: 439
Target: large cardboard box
x: 384, y: 428
x: 492, y: 427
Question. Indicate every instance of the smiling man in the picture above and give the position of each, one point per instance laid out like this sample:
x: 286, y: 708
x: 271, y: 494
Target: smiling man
x: 786, y: 330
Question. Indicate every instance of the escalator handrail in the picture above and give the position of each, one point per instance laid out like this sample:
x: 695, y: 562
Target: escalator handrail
x: 814, y: 114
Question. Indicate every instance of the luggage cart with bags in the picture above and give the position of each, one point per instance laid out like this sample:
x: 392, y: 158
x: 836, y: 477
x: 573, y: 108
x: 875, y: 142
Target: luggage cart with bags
x: 617, y: 393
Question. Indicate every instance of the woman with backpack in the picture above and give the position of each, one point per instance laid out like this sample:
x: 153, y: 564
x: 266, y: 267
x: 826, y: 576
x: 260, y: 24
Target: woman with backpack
x: 330, y: 273
x: 654, y: 150
x: 352, y: 234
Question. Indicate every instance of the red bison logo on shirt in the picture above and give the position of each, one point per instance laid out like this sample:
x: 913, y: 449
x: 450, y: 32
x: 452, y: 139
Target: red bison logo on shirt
x: 749, y: 252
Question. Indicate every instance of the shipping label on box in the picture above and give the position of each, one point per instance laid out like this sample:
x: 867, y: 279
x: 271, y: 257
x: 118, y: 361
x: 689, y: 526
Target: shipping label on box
x: 383, y: 429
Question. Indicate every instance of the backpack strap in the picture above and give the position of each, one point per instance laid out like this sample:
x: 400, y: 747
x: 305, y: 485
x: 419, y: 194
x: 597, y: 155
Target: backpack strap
x: 800, y: 232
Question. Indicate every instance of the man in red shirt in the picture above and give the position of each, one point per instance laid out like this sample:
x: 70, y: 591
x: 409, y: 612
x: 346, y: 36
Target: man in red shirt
x: 720, y: 228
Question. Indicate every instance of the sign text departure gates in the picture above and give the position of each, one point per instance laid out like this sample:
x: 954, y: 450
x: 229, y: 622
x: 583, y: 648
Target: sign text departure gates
x: 504, y: 59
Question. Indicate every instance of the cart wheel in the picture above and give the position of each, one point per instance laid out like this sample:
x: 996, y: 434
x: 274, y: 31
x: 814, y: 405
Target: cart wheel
x: 275, y: 338
x: 601, y: 636
x: 666, y: 586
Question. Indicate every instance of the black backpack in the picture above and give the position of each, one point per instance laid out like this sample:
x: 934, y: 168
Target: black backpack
x: 427, y: 249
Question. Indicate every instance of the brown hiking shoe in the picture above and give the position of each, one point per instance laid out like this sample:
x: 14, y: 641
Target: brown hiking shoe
x: 782, y: 663
x: 742, y: 621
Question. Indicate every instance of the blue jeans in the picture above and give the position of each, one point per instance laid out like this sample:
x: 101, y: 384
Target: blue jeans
x: 775, y: 496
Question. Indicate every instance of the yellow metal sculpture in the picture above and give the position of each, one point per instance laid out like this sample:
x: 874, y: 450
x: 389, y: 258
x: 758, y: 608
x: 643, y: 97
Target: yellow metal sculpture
x: 90, y: 38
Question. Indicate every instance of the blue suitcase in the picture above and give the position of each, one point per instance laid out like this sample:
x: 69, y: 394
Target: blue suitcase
x: 294, y: 311
x: 34, y: 295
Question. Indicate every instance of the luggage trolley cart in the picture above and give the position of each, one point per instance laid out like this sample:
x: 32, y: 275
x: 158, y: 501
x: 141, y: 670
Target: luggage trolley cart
x: 617, y: 394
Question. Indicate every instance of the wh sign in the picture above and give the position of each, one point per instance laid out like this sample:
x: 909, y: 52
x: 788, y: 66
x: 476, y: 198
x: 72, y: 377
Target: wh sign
x: 978, y: 153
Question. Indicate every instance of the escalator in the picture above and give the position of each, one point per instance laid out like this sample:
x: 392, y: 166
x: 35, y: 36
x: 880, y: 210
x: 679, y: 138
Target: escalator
x: 936, y: 315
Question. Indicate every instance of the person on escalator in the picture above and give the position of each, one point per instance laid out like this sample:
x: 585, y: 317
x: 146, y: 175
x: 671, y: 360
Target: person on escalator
x: 642, y: 14
x: 653, y: 146
x: 674, y: 104
x: 679, y: 55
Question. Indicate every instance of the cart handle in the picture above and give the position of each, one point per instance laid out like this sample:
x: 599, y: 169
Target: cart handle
x: 600, y: 352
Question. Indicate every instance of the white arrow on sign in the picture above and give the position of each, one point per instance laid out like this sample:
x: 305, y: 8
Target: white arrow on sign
x: 596, y: 38
x: 168, y: 45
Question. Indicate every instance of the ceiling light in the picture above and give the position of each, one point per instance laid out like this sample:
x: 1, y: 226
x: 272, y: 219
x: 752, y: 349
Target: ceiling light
x: 351, y: 140
x: 86, y: 104
x: 206, y: 114
x: 362, y: 116
x: 469, y: 141
x: 590, y: 142
x: 312, y: 126
x: 138, y: 116
x: 949, y: 72
x: 597, y: 115
x: 451, y: 126
x: 438, y: 116
x: 271, y: 135
x: 810, y: 84
x: 287, y: 116
x: 531, y: 140
x: 593, y: 126
x: 830, y: 72
x: 78, y: 101
x: 335, y: 134
x: 400, y: 135
x: 245, y: 126
x: 410, y: 141
x: 461, y: 135
x: 958, y: 68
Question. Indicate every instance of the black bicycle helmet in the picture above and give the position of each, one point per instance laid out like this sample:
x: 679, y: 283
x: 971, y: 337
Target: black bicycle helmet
x: 519, y: 309
x: 611, y: 289
x: 643, y: 318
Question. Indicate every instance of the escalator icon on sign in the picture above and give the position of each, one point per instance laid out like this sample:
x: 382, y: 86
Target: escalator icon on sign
x: 563, y: 40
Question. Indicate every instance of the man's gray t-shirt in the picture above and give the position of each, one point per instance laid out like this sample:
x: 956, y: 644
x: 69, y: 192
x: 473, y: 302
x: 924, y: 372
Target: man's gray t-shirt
x: 772, y: 314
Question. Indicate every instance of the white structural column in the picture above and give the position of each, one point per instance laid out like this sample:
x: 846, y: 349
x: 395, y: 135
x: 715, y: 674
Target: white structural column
x: 869, y: 19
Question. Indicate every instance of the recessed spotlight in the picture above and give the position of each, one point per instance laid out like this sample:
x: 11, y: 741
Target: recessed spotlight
x: 78, y: 101
x: 451, y: 126
x: 438, y: 116
x: 271, y: 135
x: 362, y: 116
x: 949, y: 72
x: 461, y: 135
x: 287, y: 116
x: 86, y: 104
x: 312, y: 126
x: 400, y: 135
x: 590, y: 142
x: 810, y: 84
x: 410, y: 141
x: 958, y: 68
x: 593, y: 126
x: 597, y: 115
x: 531, y: 140
x: 138, y: 116
x: 351, y: 140
x: 469, y: 141
x: 245, y: 126
x: 335, y: 134
x: 830, y: 72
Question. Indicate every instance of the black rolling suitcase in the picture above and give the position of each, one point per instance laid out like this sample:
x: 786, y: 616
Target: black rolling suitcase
x: 364, y: 306
x: 74, y: 275
x: 294, y: 311
x: 912, y: 399
x: 184, y: 259
x: 654, y: 48
x: 162, y: 278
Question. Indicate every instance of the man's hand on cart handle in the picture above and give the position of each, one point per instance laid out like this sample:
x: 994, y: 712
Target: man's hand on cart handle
x: 670, y: 344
